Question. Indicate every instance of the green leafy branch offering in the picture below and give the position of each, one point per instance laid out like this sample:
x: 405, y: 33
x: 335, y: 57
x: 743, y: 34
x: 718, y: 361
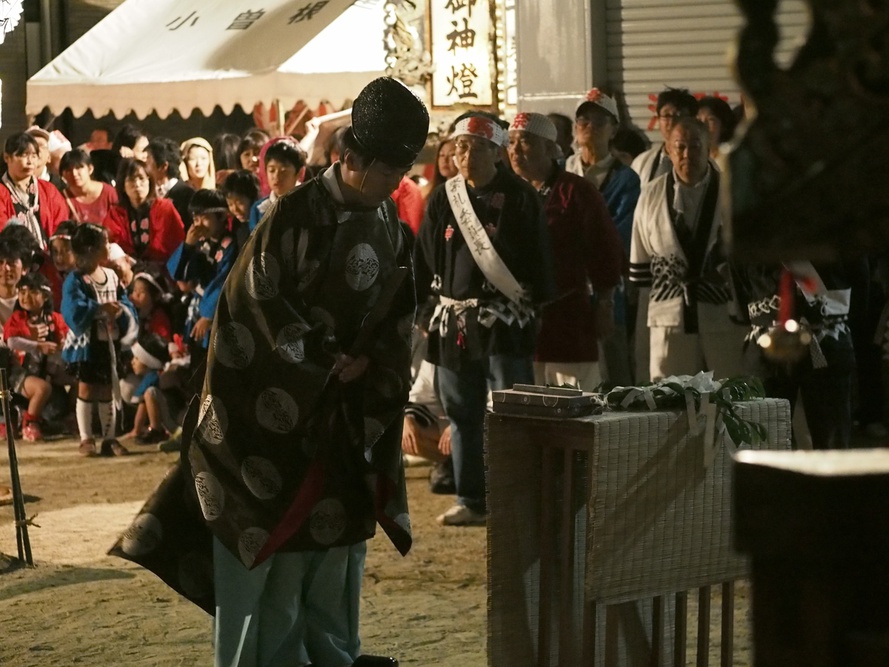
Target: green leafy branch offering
x: 673, y: 393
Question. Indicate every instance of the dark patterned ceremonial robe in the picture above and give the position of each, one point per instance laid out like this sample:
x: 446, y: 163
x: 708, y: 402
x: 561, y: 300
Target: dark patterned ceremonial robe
x: 282, y: 456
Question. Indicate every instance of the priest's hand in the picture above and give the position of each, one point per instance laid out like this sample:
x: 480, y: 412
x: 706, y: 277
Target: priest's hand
x: 444, y: 442
x: 200, y: 329
x: 409, y: 436
x: 348, y: 368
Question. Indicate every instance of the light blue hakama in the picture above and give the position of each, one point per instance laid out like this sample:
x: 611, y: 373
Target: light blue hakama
x: 296, y: 608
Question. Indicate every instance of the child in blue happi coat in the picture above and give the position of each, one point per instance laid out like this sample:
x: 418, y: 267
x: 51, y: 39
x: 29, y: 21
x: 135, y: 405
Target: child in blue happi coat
x: 101, y: 320
x: 204, y: 261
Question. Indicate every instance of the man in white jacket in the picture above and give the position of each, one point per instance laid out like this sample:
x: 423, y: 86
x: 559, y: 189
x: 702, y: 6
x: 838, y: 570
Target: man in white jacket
x: 677, y: 257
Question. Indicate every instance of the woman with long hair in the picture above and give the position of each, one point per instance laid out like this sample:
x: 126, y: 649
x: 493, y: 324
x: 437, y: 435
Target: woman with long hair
x: 88, y: 200
x: 147, y: 228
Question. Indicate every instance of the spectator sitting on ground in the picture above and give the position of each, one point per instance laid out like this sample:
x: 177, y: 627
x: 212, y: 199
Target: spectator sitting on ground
x: 60, y: 249
x: 204, y: 259
x: 36, y: 333
x: 147, y: 228
x: 427, y: 433
x: 150, y: 355
x: 241, y: 190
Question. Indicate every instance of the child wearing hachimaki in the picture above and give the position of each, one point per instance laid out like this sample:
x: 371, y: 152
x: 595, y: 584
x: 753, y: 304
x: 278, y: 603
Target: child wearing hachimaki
x: 101, y: 320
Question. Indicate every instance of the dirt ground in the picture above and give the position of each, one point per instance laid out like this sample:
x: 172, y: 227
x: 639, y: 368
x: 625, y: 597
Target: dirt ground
x: 81, y: 607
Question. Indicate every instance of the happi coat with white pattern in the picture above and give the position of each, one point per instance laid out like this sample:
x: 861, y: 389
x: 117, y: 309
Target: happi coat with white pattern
x: 680, y: 275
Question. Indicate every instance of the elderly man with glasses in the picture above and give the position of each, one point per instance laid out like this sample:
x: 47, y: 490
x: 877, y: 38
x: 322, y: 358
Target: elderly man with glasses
x: 483, y: 262
x: 672, y: 104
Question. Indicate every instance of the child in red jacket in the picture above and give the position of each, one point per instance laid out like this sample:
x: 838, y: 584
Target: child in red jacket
x: 35, y: 331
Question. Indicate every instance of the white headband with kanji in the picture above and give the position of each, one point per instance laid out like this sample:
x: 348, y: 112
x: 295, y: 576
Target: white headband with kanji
x: 479, y: 126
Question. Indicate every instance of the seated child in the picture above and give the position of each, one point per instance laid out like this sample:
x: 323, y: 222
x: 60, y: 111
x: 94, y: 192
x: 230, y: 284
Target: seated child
x: 427, y: 433
x: 204, y: 260
x: 60, y: 249
x: 36, y: 333
x: 150, y: 355
x: 148, y: 296
x: 241, y: 190
x: 200, y: 266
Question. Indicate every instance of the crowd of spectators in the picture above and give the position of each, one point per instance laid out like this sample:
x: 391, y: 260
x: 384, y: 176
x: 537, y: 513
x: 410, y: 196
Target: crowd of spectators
x: 609, y: 270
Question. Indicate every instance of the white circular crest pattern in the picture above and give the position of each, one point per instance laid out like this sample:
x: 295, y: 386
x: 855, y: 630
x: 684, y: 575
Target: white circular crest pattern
x: 290, y: 343
x: 276, y: 410
x: 143, y: 535
x: 362, y: 267
x: 212, y: 420
x: 211, y: 495
x: 328, y: 521
x: 234, y: 345
x: 262, y: 477
x: 263, y: 276
x: 250, y: 543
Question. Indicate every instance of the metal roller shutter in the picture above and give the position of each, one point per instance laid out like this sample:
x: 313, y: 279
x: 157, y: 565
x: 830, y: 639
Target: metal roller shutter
x: 651, y: 44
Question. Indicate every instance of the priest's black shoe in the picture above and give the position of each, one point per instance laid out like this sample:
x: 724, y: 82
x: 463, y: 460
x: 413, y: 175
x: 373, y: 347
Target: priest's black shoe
x: 374, y: 661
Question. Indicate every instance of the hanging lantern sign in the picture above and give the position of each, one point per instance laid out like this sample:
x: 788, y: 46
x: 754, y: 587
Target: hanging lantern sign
x: 10, y: 15
x: 461, y: 41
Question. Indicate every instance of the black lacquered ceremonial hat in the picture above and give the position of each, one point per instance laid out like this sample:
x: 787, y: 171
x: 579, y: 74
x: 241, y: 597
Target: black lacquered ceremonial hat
x: 389, y: 122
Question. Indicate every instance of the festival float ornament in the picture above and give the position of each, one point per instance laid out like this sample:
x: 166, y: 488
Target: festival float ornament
x: 808, y: 171
x: 10, y: 15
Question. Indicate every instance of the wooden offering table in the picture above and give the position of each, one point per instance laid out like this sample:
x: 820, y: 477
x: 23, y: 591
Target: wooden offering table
x: 595, y: 524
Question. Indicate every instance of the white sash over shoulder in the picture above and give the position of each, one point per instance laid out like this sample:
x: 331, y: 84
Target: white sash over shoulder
x: 479, y: 243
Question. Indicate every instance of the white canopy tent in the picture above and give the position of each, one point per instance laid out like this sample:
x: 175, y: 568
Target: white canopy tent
x: 180, y: 55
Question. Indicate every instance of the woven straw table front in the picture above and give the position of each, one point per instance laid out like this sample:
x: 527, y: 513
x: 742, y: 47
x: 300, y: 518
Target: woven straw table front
x: 603, y: 510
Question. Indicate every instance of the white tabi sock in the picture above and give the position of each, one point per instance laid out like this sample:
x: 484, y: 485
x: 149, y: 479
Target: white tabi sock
x: 84, y: 412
